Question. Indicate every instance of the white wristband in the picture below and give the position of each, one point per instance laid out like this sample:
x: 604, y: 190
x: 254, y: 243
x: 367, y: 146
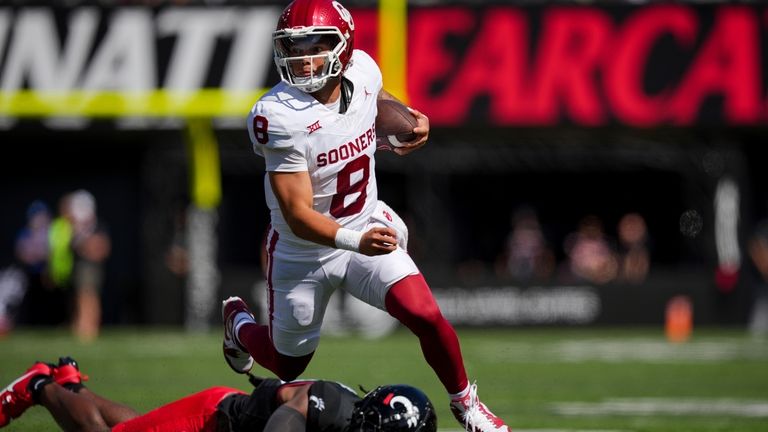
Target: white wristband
x: 348, y: 239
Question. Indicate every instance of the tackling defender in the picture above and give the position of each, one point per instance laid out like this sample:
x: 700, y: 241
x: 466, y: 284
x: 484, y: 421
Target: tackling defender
x: 316, y: 133
x: 273, y: 406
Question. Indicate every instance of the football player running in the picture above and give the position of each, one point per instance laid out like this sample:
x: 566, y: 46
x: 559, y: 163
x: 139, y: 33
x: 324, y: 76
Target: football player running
x: 329, y: 231
x: 273, y: 406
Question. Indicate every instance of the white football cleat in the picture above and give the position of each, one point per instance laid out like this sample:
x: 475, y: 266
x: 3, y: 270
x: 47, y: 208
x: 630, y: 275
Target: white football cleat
x: 236, y: 355
x: 474, y: 416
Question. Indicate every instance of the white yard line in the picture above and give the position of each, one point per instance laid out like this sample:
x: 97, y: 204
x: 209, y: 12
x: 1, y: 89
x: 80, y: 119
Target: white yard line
x: 650, y: 350
x: 615, y: 350
x: 665, y: 406
x: 547, y: 430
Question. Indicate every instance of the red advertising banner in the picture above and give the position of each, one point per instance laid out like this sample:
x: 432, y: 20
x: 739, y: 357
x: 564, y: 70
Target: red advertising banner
x: 669, y: 64
x: 642, y: 66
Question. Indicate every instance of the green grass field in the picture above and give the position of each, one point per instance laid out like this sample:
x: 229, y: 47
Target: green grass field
x: 537, y: 379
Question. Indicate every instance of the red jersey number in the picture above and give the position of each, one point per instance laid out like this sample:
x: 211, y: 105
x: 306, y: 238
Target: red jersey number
x: 260, y: 125
x: 345, y: 187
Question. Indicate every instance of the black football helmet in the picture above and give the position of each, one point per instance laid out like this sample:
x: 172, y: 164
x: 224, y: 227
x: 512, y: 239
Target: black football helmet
x: 394, y: 408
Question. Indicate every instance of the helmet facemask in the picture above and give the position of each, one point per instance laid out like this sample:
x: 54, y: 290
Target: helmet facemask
x: 292, y: 52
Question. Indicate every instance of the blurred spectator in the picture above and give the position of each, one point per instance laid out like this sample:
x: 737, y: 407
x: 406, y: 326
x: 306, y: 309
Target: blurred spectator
x: 177, y: 255
x: 758, y: 252
x: 634, y: 259
x: 92, y: 246
x: 590, y: 256
x: 43, y: 303
x: 13, y: 285
x: 31, y: 253
x: 61, y: 258
x: 32, y: 240
x: 79, y: 247
x: 526, y: 257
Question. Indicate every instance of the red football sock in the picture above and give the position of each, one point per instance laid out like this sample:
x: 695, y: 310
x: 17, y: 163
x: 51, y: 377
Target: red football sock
x: 410, y: 301
x: 255, y: 338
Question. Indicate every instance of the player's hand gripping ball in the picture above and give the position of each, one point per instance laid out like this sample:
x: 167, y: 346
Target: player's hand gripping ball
x: 394, y: 125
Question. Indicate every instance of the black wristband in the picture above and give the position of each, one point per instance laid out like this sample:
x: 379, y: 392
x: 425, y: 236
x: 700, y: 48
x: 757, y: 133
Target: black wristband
x: 36, y: 385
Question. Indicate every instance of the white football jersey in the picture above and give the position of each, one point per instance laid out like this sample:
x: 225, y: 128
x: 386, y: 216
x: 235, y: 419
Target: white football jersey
x: 294, y: 132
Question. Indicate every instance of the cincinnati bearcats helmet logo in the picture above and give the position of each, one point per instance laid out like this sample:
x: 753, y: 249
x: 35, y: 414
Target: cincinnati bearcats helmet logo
x: 411, y: 413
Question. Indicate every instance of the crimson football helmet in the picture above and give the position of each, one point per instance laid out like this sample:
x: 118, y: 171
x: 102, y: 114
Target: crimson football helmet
x: 394, y: 408
x: 303, y: 25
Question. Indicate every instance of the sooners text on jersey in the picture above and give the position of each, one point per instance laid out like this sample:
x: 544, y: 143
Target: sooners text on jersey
x: 294, y: 132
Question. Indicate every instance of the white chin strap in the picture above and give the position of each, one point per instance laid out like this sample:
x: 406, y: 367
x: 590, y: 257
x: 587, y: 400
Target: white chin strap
x: 313, y: 84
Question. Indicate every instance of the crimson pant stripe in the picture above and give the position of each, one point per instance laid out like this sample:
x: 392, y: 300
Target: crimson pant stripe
x: 270, y: 261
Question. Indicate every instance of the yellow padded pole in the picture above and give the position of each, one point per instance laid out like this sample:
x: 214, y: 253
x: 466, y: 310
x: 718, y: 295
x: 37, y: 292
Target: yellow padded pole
x: 393, y: 49
x: 205, y: 174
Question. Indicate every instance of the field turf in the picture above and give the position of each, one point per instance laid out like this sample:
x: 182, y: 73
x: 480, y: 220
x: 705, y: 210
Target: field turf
x: 545, y: 380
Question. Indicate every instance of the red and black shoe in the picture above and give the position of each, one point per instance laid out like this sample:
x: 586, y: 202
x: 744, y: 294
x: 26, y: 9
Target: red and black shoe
x: 19, y: 395
x: 67, y: 372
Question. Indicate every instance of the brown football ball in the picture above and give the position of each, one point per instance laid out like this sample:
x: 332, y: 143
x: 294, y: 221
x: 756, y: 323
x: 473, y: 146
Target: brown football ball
x: 394, y: 124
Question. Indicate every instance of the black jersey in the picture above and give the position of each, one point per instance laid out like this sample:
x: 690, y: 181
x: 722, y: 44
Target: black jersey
x: 330, y: 407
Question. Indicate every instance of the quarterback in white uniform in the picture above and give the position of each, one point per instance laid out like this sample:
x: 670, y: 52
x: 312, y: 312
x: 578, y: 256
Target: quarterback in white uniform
x: 295, y: 133
x: 316, y: 132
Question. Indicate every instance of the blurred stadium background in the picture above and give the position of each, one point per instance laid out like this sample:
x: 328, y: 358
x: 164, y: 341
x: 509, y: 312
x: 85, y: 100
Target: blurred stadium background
x: 553, y: 125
